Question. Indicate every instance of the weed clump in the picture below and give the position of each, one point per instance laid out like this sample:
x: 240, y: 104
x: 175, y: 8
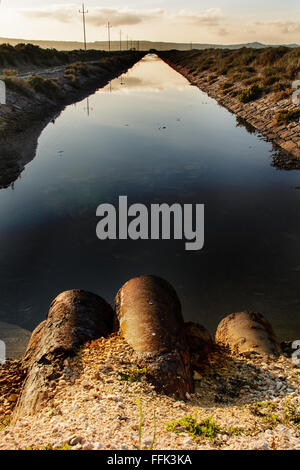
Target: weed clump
x: 286, y: 117
x: 282, y: 95
x: 189, y: 424
x: 9, y: 73
x: 50, y: 447
x: 133, y: 374
x: 5, y: 422
x: 18, y: 85
x: 45, y: 86
x: 270, y: 414
x: 251, y: 94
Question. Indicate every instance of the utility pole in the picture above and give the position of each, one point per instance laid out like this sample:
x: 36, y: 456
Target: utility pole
x: 127, y: 41
x: 84, y: 12
x: 108, y: 30
x: 120, y: 40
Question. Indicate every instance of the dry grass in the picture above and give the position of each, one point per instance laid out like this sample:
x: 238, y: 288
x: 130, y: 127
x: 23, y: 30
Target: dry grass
x: 257, y: 71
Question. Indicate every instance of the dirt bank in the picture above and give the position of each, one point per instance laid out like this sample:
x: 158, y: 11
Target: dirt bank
x: 244, y: 403
x: 32, y: 101
x: 259, y: 95
x: 25, y: 57
x: 34, y: 98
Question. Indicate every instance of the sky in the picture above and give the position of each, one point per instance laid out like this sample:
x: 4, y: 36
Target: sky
x: 197, y: 21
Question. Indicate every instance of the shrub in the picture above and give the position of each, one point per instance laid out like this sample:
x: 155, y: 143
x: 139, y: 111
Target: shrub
x: 77, y: 68
x: 271, y: 80
x: 282, y: 95
x: 46, y: 86
x: 286, y: 117
x: 251, y: 94
x: 9, y: 72
x: 18, y: 85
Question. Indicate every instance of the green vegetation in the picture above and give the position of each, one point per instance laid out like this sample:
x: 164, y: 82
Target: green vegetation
x: 49, y: 447
x: 5, y: 422
x: 24, y: 55
x: 263, y: 408
x: 2, y: 124
x: 292, y: 412
x: 78, y: 68
x: 207, y: 428
x: 272, y: 69
x: 18, y: 85
x: 140, y: 423
x: 283, y: 95
x: 75, y: 70
x: 287, y: 116
x: 9, y: 73
x: 189, y: 424
x: 141, y: 427
x: 132, y: 374
x: 46, y: 86
x: 269, y: 412
x: 252, y: 93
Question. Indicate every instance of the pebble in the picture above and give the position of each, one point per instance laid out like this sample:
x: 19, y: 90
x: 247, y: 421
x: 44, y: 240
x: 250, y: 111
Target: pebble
x: 94, y: 419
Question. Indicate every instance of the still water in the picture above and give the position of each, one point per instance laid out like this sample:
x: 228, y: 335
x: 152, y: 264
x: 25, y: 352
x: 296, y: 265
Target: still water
x: 152, y: 136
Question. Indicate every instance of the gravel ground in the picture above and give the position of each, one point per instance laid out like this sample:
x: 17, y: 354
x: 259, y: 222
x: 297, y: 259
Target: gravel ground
x: 254, y: 400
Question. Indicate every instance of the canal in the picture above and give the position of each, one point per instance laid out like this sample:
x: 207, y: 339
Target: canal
x: 153, y: 137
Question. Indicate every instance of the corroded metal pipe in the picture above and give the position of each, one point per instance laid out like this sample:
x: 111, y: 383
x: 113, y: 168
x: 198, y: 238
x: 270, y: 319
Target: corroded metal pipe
x: 245, y: 332
x: 150, y: 319
x: 74, y: 317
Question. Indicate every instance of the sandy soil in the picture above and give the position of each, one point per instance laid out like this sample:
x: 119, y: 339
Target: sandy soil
x: 254, y: 401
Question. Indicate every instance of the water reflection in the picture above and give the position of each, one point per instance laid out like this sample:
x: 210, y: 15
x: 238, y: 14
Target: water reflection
x: 88, y: 109
x: 147, y: 78
x: 16, y: 152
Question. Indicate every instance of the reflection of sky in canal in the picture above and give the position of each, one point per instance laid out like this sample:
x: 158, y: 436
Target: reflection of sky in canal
x: 145, y: 77
x: 172, y: 145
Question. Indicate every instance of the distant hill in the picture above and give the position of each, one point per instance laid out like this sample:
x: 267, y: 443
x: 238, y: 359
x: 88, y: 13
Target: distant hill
x: 142, y: 45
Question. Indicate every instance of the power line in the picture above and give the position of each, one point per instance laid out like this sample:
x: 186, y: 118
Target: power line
x: 108, y: 31
x: 84, y: 12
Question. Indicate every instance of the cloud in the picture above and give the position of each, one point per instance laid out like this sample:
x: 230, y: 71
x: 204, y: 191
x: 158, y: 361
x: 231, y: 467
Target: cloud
x: 285, y: 27
x: 63, y: 13
x: 212, y: 17
x: 100, y: 16
x: 95, y: 16
x: 223, y: 32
